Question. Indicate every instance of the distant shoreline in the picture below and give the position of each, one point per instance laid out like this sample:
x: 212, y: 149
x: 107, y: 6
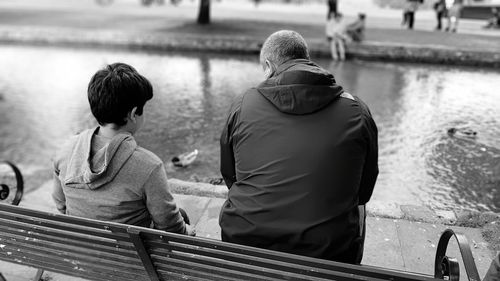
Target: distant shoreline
x: 374, y: 51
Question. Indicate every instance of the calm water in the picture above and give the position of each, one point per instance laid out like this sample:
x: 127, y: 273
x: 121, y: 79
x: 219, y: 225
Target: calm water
x: 43, y: 102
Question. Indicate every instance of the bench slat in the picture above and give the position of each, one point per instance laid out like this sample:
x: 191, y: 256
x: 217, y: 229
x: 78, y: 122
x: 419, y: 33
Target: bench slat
x: 71, y: 227
x: 58, y: 269
x: 97, y: 240
x: 189, y: 274
x: 18, y: 251
x: 179, y: 276
x: 46, y: 263
x: 225, y: 267
x: 202, y: 254
x: 72, y: 241
x: 369, y: 271
x: 208, y: 265
x: 223, y: 259
x: 208, y: 273
x: 108, y: 226
x: 69, y: 253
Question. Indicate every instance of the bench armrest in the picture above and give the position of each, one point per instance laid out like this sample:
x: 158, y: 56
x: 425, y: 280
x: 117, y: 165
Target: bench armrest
x: 445, y: 267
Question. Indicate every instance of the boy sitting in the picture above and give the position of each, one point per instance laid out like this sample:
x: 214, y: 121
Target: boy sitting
x: 102, y: 173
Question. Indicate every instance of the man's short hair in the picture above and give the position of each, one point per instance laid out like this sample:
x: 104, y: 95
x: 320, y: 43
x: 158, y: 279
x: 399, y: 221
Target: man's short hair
x: 282, y: 46
x: 115, y: 90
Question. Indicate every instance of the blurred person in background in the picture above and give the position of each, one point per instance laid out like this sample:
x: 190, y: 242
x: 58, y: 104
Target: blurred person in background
x: 441, y: 11
x: 454, y: 13
x: 332, y: 9
x: 356, y: 30
x: 494, y: 21
x: 336, y: 36
x: 411, y: 7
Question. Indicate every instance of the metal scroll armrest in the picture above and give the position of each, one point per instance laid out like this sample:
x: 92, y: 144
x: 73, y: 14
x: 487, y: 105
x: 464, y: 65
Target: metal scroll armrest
x: 6, y: 190
x: 448, y: 268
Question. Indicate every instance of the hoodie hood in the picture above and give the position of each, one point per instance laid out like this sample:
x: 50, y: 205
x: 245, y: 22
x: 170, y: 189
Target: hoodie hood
x: 95, y: 160
x: 300, y: 87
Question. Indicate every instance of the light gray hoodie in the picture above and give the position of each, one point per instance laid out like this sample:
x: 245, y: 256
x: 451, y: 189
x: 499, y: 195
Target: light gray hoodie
x: 114, y: 180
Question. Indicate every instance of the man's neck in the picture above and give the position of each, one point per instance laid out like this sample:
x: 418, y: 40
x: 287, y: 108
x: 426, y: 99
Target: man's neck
x: 110, y: 131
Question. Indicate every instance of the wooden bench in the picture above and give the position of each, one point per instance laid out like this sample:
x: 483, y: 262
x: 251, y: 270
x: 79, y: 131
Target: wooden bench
x: 98, y: 250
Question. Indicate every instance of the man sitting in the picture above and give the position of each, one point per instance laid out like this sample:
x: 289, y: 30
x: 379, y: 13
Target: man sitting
x: 299, y: 156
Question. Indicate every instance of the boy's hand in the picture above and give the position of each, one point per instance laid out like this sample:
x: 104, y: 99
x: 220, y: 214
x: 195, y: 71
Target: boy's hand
x: 190, y: 230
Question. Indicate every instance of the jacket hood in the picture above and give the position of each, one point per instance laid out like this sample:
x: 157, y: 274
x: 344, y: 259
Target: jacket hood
x: 300, y: 87
x: 94, y: 162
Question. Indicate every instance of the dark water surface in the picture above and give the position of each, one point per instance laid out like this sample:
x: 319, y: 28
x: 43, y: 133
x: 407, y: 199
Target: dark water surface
x: 43, y: 102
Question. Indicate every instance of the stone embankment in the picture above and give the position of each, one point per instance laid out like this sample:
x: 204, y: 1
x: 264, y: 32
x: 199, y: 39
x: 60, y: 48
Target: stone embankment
x: 370, y: 50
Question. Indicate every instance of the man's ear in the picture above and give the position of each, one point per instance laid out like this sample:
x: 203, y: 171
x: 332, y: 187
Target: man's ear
x: 132, y: 114
x: 270, y: 69
x: 270, y: 65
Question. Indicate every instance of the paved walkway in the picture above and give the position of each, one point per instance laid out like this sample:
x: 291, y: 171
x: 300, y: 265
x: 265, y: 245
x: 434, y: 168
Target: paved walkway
x: 390, y: 243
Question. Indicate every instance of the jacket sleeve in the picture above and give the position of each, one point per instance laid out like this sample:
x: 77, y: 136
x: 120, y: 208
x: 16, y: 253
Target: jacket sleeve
x: 370, y: 168
x: 493, y: 273
x: 227, y: 163
x: 57, y: 192
x: 160, y: 203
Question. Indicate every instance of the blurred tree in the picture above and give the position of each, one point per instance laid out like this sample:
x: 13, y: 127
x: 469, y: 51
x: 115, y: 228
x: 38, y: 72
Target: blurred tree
x: 204, y: 12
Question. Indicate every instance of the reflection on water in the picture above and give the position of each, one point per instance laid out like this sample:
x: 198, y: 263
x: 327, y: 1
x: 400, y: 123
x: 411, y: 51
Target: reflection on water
x: 43, y: 101
x: 414, y: 106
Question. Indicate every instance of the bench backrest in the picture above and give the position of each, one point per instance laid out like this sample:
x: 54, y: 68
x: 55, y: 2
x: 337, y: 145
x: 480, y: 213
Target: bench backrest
x: 99, y: 250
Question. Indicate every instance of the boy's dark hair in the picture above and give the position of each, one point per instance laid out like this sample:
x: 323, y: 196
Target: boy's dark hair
x: 115, y: 90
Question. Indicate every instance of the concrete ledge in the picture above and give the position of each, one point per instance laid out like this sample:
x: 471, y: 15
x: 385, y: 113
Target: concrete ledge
x: 424, y: 54
x: 197, y: 189
x: 243, y: 45
x: 488, y: 223
x: 466, y: 218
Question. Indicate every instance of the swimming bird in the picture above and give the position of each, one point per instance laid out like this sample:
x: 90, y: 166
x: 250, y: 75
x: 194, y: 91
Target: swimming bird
x: 185, y: 159
x: 462, y: 132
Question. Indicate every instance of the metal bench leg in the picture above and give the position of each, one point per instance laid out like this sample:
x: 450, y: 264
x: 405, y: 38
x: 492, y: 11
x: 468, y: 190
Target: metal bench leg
x: 38, y: 275
x: 2, y: 278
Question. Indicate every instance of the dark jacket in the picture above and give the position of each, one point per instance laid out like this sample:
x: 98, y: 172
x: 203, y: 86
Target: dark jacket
x: 493, y: 273
x: 298, y: 155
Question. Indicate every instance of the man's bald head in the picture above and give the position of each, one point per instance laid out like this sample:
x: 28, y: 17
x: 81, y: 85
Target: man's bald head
x: 282, y: 46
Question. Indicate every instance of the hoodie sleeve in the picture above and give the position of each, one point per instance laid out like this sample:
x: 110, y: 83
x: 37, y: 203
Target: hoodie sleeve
x: 57, y: 192
x: 370, y: 168
x: 227, y: 165
x: 160, y: 203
